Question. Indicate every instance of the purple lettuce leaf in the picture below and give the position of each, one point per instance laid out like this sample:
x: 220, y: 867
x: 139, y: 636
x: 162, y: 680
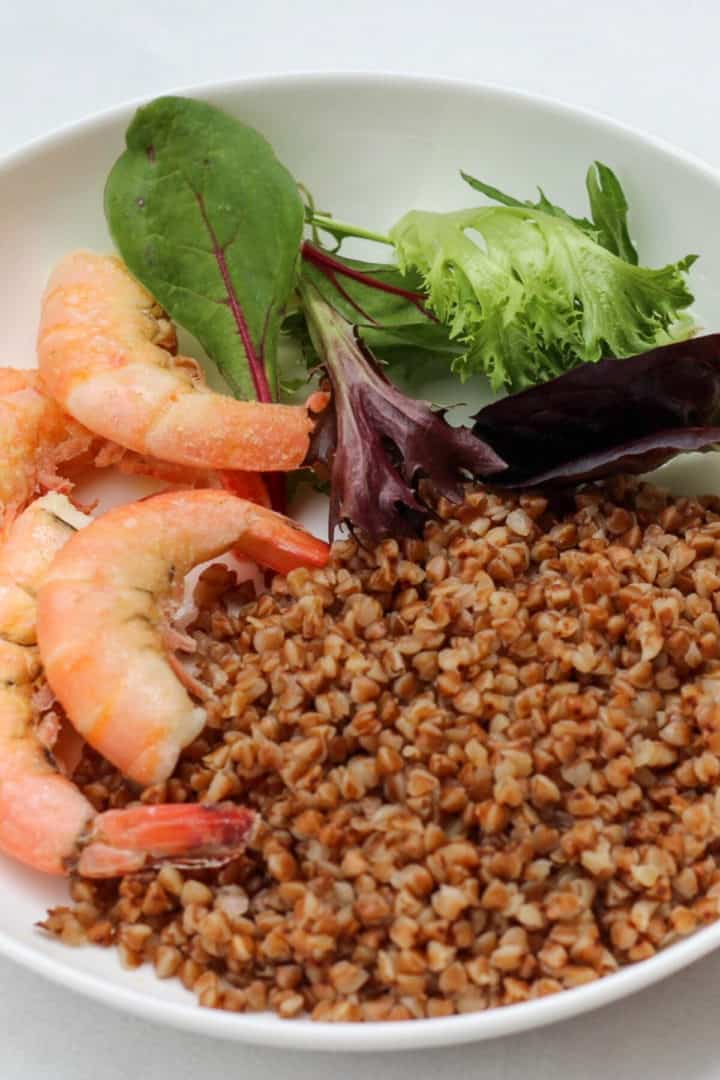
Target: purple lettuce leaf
x: 629, y: 415
x: 637, y: 456
x: 379, y: 444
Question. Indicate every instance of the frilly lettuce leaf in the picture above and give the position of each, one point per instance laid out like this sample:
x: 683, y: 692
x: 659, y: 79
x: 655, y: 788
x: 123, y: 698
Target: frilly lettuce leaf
x: 608, y: 207
x: 530, y: 293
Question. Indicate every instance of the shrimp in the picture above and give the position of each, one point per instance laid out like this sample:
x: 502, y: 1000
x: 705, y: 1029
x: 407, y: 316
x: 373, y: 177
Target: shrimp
x: 100, y: 621
x: 105, y: 350
x: 42, y: 448
x: 36, y: 439
x: 45, y: 820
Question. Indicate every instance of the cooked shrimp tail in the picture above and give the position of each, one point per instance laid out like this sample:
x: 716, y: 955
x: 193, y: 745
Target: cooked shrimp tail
x: 193, y: 834
x: 100, y: 625
x: 246, y: 485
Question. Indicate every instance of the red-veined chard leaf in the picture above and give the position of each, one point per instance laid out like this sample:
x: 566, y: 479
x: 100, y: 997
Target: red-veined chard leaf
x: 210, y: 221
x: 388, y: 310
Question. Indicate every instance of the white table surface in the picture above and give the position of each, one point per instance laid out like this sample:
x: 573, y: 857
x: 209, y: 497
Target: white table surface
x: 652, y: 63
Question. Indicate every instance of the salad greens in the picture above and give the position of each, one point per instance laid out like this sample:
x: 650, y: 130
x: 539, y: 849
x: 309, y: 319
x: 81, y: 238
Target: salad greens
x: 388, y: 309
x: 205, y: 215
x: 524, y: 290
x: 614, y: 416
x: 537, y: 293
x: 377, y: 443
x: 608, y: 208
x: 212, y: 223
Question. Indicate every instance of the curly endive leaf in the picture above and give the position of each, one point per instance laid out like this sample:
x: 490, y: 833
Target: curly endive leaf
x: 530, y: 294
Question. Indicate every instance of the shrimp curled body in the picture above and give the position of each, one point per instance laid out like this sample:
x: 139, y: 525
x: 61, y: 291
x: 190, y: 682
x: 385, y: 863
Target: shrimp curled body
x: 100, y: 618
x: 45, y: 820
x: 43, y: 449
x: 105, y: 351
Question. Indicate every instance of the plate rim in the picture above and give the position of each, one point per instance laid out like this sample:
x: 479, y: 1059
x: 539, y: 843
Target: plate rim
x: 266, y: 1029
x: 96, y: 118
x: 263, y: 1029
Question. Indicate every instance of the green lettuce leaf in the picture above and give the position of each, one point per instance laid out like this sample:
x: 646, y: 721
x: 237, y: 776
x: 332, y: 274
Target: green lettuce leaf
x: 609, y: 210
x: 608, y: 207
x: 543, y: 203
x: 531, y: 292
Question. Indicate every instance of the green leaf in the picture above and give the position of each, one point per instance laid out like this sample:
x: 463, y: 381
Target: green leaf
x: 543, y: 203
x: 399, y: 331
x: 210, y: 221
x: 538, y: 294
x: 366, y: 302
x: 609, y: 209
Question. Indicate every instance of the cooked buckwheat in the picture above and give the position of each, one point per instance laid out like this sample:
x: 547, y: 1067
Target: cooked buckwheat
x: 485, y: 765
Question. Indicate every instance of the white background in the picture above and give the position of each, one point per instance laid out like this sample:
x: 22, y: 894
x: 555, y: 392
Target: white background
x: 652, y: 64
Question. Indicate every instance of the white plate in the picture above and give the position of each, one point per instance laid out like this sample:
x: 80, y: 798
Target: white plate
x: 369, y: 148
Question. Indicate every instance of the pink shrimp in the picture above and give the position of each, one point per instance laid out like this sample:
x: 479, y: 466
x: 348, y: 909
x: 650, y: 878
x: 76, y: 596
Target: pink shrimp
x: 44, y: 449
x: 100, y: 621
x: 45, y: 821
x: 106, y: 353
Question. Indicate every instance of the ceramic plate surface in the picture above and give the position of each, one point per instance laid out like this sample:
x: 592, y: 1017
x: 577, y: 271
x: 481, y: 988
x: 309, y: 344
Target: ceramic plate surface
x: 369, y: 148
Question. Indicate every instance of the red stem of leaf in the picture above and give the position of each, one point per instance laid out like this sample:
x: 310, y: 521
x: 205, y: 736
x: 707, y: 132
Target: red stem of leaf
x: 255, y: 364
x: 331, y: 266
x: 332, y: 275
x: 275, y: 481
